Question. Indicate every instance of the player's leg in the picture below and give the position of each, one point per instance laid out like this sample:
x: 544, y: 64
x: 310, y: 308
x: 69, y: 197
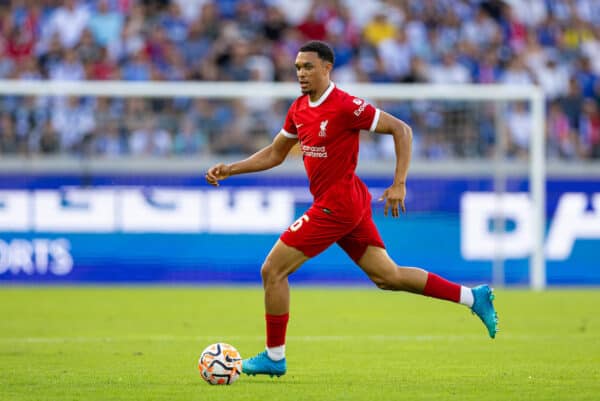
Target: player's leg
x: 365, y: 246
x: 308, y: 236
x: 387, y: 275
x: 282, y: 261
x: 384, y: 272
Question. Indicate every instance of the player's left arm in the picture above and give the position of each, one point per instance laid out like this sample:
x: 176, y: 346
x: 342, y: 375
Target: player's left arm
x: 402, y: 133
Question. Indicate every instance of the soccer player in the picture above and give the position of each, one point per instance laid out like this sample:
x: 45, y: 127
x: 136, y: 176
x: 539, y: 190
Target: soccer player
x: 326, y: 121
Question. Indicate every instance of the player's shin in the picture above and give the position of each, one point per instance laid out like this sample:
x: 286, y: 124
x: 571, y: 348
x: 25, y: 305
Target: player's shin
x: 276, y: 330
x: 439, y: 287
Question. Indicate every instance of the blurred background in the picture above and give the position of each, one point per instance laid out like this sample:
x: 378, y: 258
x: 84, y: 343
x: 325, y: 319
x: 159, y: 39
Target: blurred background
x: 110, y: 188
x: 551, y: 43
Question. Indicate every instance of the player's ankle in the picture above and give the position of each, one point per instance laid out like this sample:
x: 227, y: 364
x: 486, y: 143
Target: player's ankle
x: 276, y: 353
x: 466, y: 296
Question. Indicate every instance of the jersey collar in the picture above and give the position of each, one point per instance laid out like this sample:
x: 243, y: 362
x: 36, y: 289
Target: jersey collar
x: 323, y: 96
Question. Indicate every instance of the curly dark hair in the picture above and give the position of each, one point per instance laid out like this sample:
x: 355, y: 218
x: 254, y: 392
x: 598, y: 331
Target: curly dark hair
x: 321, y: 48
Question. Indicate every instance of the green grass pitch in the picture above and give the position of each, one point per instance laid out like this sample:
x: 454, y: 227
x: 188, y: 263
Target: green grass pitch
x: 143, y: 343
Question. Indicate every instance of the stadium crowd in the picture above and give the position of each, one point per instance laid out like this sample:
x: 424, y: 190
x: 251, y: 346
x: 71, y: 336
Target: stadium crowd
x: 552, y: 43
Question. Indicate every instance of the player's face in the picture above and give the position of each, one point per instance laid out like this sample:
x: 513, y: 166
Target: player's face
x: 312, y: 72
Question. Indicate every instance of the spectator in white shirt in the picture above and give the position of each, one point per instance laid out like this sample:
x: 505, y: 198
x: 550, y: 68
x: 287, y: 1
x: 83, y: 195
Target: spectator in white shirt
x: 396, y: 55
x: 530, y: 12
x: 481, y: 31
x: 150, y: 140
x: 449, y: 71
x: 73, y: 121
x: 69, y: 69
x: 554, y: 79
x: 68, y: 21
x: 518, y: 122
x: 108, y: 141
x: 516, y: 73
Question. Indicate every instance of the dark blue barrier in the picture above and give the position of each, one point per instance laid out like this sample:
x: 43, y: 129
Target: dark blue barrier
x: 175, y: 228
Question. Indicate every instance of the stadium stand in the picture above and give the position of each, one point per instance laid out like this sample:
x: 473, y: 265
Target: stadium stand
x: 552, y: 43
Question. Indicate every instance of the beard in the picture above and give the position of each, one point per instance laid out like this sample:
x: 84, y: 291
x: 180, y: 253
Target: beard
x: 307, y: 91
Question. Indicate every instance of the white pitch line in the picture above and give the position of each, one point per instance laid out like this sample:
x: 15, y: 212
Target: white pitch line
x: 216, y: 338
x: 169, y: 338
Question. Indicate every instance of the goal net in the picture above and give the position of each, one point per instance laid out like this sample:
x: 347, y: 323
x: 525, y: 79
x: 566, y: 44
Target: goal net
x: 476, y: 193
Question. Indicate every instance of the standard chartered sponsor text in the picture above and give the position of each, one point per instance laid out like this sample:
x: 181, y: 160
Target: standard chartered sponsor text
x: 314, y: 151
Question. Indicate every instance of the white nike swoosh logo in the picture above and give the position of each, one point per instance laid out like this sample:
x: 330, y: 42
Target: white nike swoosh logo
x: 299, y: 125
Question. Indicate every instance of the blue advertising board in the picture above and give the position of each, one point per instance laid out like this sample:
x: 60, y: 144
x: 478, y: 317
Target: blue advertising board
x: 116, y: 228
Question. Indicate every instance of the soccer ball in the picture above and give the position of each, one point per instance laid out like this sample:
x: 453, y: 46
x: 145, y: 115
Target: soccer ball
x: 220, y: 363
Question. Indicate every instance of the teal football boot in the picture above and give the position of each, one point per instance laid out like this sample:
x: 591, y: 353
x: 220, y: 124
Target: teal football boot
x: 261, y: 364
x: 483, y: 307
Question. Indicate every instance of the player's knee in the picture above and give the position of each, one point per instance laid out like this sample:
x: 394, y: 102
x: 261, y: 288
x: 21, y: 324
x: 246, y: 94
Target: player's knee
x: 270, y: 273
x: 390, y: 281
x: 383, y: 282
x: 265, y: 272
x: 383, y: 285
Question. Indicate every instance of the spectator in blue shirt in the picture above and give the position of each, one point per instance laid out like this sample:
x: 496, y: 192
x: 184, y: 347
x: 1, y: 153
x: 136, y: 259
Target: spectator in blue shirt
x: 105, y: 25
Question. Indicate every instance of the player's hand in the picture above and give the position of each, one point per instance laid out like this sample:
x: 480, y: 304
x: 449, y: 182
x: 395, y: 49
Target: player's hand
x: 394, y: 198
x: 217, y: 173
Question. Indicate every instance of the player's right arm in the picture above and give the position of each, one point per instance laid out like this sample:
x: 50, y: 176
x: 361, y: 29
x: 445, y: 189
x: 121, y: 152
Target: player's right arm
x: 266, y: 158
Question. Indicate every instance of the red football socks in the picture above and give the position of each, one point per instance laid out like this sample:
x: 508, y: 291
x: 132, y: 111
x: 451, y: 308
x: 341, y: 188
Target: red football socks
x: 276, y: 328
x: 438, y: 287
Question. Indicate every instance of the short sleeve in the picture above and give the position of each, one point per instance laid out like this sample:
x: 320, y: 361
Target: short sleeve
x: 289, y: 128
x: 361, y: 114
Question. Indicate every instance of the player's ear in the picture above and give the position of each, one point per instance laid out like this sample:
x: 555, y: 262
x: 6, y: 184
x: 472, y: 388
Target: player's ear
x: 328, y: 66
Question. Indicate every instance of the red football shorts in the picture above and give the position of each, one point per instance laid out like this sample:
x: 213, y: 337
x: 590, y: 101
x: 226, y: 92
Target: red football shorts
x: 316, y: 230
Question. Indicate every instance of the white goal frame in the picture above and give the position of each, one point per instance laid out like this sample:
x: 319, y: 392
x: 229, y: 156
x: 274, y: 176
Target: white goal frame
x: 229, y: 90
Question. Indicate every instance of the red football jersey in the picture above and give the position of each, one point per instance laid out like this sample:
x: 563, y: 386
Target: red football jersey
x: 328, y: 134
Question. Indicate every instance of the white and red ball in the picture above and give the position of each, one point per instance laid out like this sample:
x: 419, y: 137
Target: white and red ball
x: 220, y: 363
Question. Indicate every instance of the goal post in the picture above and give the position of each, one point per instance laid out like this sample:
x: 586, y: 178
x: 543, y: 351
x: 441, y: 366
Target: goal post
x: 469, y: 93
